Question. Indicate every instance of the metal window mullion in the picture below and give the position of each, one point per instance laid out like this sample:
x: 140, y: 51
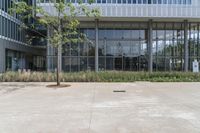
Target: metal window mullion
x: 70, y: 57
x: 194, y: 39
x: 198, y: 40
x: 139, y: 59
x: 165, y: 45
x: 189, y: 44
x: 105, y: 51
x: 156, y: 54
x: 87, y: 47
x: 79, y: 57
x: 173, y: 55
x: 182, y: 46
x: 122, y: 57
x: 79, y: 51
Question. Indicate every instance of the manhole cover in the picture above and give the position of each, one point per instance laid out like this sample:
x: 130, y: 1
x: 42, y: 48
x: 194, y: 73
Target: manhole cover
x: 119, y: 91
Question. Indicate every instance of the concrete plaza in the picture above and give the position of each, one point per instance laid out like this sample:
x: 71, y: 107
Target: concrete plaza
x: 140, y: 107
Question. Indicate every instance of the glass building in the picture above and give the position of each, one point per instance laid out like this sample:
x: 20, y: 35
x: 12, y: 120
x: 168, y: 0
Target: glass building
x: 134, y: 35
x: 129, y: 35
x: 125, y: 47
x: 15, y: 52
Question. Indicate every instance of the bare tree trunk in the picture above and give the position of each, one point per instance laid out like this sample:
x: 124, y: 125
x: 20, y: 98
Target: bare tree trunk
x: 59, y: 59
x: 58, y: 64
x: 59, y: 55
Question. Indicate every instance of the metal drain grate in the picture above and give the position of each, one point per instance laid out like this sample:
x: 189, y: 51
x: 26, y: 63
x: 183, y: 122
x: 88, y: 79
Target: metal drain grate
x: 119, y: 90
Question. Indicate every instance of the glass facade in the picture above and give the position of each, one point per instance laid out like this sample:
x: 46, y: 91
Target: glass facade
x: 10, y: 25
x: 11, y: 29
x: 168, y: 46
x: 15, y: 60
x: 126, y: 49
x: 39, y: 63
x: 122, y: 49
x: 5, y: 5
x: 14, y: 54
x: 180, y: 2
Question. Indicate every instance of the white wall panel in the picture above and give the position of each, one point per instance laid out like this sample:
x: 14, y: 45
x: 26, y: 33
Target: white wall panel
x: 141, y: 10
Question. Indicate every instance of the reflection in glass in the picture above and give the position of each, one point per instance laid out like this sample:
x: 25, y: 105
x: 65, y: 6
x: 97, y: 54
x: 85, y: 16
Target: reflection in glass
x: 126, y: 49
x: 66, y: 64
x: 83, y: 64
x: 109, y: 63
x: 102, y: 63
x: 91, y: 63
x: 74, y: 64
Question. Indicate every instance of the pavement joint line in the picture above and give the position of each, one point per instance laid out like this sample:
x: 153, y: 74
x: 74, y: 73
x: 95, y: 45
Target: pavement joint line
x: 91, y: 111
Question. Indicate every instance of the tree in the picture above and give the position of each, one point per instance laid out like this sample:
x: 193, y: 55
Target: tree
x: 64, y: 24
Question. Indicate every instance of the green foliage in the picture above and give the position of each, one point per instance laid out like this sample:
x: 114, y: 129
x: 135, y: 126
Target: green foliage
x: 108, y: 76
x: 63, y: 25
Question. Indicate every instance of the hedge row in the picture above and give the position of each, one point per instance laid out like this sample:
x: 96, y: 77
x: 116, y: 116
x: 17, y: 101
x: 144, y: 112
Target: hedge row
x: 109, y: 76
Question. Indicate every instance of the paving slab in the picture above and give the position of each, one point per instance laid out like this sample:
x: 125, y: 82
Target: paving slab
x: 139, y: 107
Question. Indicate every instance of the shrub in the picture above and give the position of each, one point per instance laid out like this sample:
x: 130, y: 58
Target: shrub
x: 107, y: 76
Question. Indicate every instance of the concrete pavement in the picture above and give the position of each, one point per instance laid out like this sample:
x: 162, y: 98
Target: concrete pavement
x: 94, y: 108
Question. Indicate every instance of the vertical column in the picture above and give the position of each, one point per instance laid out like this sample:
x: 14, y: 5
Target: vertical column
x: 48, y: 52
x: 2, y: 56
x: 96, y: 46
x: 198, y: 40
x: 52, y: 53
x: 150, y: 56
x: 59, y: 59
x: 186, y: 56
